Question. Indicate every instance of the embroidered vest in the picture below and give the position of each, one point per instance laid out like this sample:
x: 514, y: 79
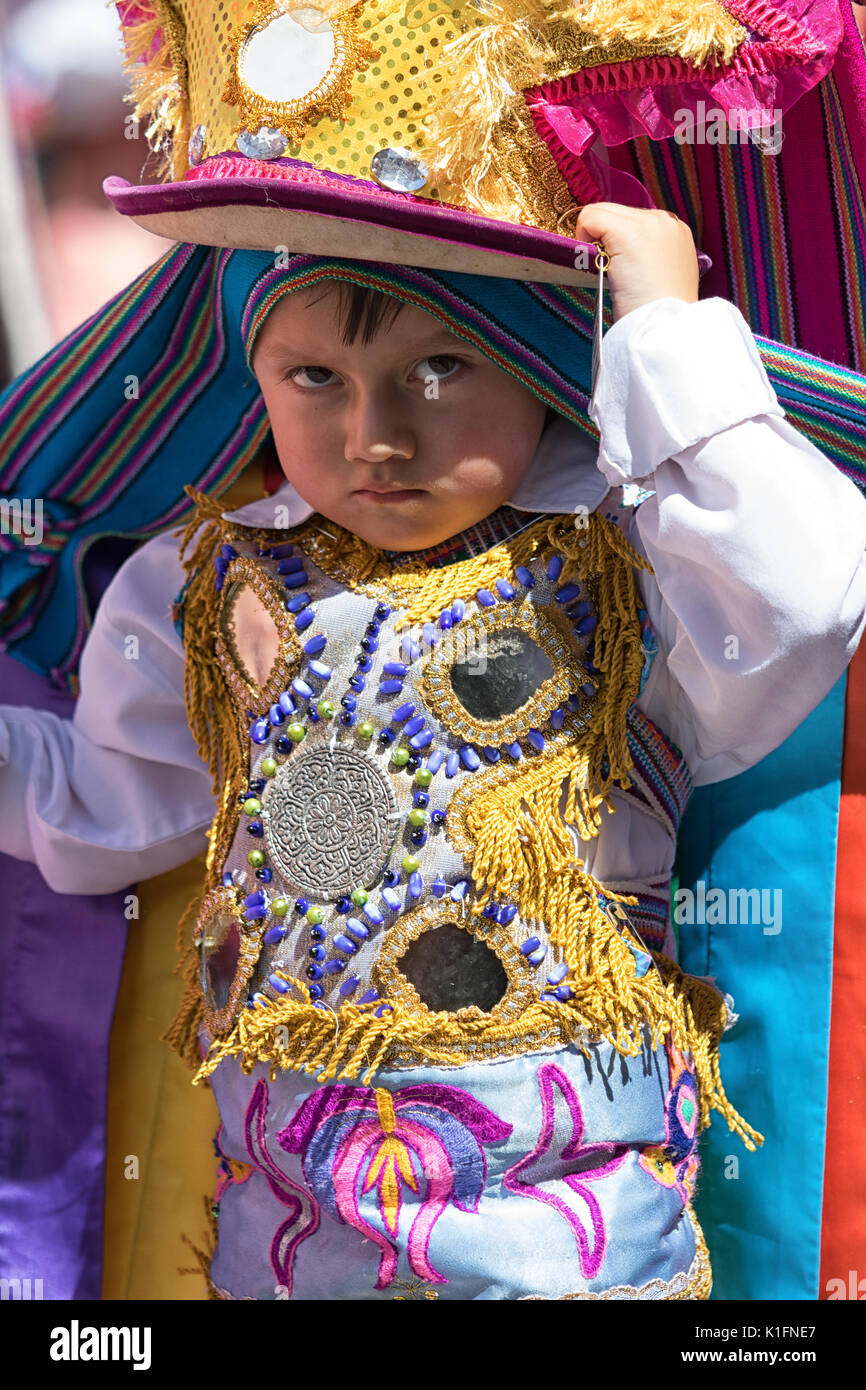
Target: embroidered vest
x: 395, y: 908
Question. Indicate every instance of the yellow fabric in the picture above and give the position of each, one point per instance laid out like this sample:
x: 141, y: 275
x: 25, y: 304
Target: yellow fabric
x: 154, y: 1114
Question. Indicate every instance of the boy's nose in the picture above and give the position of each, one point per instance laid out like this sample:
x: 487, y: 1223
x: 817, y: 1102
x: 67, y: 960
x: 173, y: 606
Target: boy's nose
x: 378, y: 427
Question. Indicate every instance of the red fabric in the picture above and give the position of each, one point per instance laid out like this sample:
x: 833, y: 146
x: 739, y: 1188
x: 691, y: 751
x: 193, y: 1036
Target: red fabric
x: 843, y: 1234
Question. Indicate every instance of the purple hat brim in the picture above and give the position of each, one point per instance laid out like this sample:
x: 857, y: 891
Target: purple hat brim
x: 264, y: 214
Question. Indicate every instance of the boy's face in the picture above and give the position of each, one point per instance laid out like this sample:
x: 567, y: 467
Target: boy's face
x: 416, y: 408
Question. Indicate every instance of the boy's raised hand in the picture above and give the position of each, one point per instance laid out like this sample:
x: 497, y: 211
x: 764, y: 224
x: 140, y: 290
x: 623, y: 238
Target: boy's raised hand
x: 652, y: 253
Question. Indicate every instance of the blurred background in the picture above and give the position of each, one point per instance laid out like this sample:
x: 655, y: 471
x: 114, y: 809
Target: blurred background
x: 64, y: 126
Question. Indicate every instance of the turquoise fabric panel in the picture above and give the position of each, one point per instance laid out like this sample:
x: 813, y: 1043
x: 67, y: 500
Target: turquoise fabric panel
x: 773, y: 827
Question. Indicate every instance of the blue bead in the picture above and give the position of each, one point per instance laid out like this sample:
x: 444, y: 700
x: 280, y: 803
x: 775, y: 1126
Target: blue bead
x: 220, y: 565
x: 274, y: 935
x: 391, y: 876
x: 297, y: 602
x: 514, y: 750
x: 228, y: 551
x: 281, y: 986
x: 364, y: 663
x: 402, y: 712
x: 563, y: 992
x: 554, y: 567
x: 505, y: 588
x: 557, y: 719
x: 580, y: 610
x: 294, y: 581
x: 317, y: 933
x: 350, y: 985
x: 312, y: 714
x: 458, y: 608
x: 382, y: 1010
x: 256, y: 828
x: 459, y: 890
x: 257, y: 785
x: 531, y: 945
x: 429, y: 633
x: 536, y: 957
x: 391, y: 898
x: 218, y: 583
x: 537, y: 739
x: 395, y: 668
x: 255, y: 914
x: 260, y: 731
x: 277, y: 552
x: 485, y: 598
x: 357, y: 928
x: 416, y: 884
x: 333, y: 967
x: 300, y: 688
x: 347, y: 718
x: 349, y: 701
x: 283, y: 744
x: 469, y: 757
x: 264, y: 874
x: 369, y: 996
x: 566, y: 593
x: 415, y: 725
x: 357, y: 682
x: 491, y: 754
x: 372, y: 628
x: 573, y: 702
x: 343, y: 905
x: 438, y: 886
x: 390, y: 687
x: 255, y: 899
x: 313, y: 972
x: 435, y: 760
x: 490, y: 910
x: 228, y: 881
x: 318, y: 952
x: 319, y: 669
x: 410, y: 648
x: 419, y: 836
x: 452, y: 766
x: 557, y: 974
x: 437, y: 817
x: 369, y: 644
x: 445, y: 619
x: 383, y: 611
x: 547, y: 996
x: 421, y: 799
x: 386, y: 737
x: 286, y: 703
x: 316, y: 991
x: 524, y: 576
x: 507, y: 914
x: 343, y: 943
x: 587, y: 624
x: 373, y: 913
x: 291, y: 566
x: 301, y: 904
x: 276, y: 715
x: 315, y: 644
x: 421, y: 740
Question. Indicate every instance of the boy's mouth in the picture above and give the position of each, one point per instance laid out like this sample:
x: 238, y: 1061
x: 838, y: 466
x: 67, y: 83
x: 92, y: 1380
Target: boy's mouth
x: 389, y: 494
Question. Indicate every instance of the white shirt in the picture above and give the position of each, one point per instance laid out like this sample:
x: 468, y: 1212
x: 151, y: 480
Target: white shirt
x: 758, y: 602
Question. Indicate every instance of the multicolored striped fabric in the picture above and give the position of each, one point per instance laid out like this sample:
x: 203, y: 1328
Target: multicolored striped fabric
x: 155, y: 391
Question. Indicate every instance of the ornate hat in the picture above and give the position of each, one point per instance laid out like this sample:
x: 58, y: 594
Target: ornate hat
x: 455, y: 134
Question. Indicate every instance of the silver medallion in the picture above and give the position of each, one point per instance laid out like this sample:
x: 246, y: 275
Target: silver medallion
x: 195, y: 149
x: 265, y: 143
x: 398, y: 169
x: 330, y: 821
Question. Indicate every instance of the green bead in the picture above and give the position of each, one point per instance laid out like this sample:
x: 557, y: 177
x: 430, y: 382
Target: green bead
x: 417, y: 816
x: 410, y: 863
x: 400, y: 756
x: 423, y: 777
x: 359, y: 896
x: 325, y: 709
x: 366, y: 730
x: 280, y: 906
x: 314, y: 915
x: 252, y: 806
x: 295, y: 731
x: 256, y: 858
x: 268, y: 767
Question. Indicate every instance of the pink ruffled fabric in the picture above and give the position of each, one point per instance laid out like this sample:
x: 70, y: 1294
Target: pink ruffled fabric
x: 794, y: 47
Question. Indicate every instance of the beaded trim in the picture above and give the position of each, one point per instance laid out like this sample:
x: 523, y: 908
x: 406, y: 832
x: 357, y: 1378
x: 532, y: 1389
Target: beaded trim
x: 225, y: 901
x: 553, y: 634
x: 393, y: 985
x: 695, y: 1284
x: 248, y: 694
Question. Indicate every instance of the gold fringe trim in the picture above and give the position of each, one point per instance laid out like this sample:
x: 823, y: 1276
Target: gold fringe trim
x: 468, y: 143
x: 158, y: 83
x: 204, y: 1256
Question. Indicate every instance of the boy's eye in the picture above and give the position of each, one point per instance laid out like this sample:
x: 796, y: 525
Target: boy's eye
x: 440, y: 367
x: 293, y: 372
x: 432, y: 361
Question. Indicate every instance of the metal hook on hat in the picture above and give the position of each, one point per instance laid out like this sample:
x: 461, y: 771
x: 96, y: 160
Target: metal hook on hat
x: 602, y: 259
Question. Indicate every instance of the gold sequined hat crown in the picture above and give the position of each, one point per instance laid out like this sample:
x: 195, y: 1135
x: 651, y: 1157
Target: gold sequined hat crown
x: 458, y: 134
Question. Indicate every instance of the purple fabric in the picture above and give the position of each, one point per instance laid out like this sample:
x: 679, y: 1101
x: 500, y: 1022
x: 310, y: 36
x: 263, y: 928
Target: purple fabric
x: 60, y: 961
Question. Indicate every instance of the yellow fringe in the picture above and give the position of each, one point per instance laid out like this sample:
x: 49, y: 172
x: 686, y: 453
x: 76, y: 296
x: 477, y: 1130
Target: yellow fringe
x: 204, y: 1255
x: 158, y: 84
x: 532, y: 41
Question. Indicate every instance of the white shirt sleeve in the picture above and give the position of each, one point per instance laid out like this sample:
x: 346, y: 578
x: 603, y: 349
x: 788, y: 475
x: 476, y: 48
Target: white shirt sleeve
x: 756, y: 538
x: 118, y: 793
